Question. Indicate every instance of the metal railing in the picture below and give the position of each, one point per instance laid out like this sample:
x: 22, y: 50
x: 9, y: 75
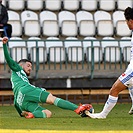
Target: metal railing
x: 89, y: 59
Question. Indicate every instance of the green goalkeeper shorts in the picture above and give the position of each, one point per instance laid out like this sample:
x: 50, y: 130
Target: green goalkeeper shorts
x: 29, y: 98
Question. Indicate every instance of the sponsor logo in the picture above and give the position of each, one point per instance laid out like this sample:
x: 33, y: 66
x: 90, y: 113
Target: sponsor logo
x: 123, y: 74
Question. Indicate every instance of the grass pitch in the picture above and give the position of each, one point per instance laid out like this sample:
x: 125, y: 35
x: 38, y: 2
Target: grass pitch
x: 66, y: 120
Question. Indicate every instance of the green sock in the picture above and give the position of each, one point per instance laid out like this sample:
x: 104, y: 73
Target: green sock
x: 64, y: 104
x: 39, y: 114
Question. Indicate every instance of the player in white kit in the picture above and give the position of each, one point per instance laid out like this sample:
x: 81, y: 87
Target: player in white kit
x: 123, y: 82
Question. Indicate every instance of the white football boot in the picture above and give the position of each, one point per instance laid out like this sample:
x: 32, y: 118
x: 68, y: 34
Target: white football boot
x: 95, y: 115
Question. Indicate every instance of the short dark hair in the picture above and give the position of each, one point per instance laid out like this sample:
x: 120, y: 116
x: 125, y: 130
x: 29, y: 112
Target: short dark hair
x: 24, y: 61
x: 128, y: 13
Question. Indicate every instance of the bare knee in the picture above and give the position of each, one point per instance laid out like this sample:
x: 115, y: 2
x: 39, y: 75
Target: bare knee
x: 117, y: 87
x: 50, y: 99
x: 48, y: 113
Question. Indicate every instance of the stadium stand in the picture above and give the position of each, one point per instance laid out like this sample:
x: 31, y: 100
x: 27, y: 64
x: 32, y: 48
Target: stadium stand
x: 68, y: 40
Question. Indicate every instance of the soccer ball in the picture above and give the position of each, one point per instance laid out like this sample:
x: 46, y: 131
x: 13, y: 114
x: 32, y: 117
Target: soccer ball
x: 89, y: 108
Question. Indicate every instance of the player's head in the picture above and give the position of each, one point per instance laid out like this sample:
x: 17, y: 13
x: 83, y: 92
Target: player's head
x: 129, y: 17
x: 26, y: 65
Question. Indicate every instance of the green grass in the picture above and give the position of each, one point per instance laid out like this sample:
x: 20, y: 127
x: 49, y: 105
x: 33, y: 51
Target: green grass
x: 118, y: 119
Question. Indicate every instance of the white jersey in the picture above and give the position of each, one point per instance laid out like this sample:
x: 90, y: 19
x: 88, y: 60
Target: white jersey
x: 132, y: 48
x: 127, y: 77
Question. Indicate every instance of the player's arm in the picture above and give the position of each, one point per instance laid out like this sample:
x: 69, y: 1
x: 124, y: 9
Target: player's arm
x: 12, y: 64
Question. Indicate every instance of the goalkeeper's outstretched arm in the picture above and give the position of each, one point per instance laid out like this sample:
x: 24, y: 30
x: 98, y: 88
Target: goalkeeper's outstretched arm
x: 12, y: 64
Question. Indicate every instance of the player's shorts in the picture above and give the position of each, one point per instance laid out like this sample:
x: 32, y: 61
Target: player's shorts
x: 30, y: 96
x: 127, y: 77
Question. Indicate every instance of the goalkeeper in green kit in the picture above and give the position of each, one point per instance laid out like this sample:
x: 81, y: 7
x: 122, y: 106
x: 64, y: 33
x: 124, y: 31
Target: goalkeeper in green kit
x: 27, y: 97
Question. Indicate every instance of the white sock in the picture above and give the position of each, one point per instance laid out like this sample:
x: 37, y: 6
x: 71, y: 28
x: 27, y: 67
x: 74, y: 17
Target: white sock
x: 110, y: 103
x: 131, y: 94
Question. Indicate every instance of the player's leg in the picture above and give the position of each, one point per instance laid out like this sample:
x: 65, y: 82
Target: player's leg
x: 34, y: 110
x: 117, y: 87
x: 131, y: 95
x: 124, y: 81
x: 64, y: 104
x: 17, y: 107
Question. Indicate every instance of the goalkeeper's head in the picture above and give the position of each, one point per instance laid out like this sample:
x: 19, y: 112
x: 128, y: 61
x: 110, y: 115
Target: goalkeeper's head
x: 26, y: 65
x: 129, y: 17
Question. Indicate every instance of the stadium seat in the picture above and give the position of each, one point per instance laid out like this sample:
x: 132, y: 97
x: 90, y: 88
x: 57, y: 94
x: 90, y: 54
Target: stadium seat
x: 18, y: 48
x: 70, y: 5
x: 89, y: 5
x: 122, y: 29
x: 116, y: 16
x: 53, y: 5
x: 88, y: 43
x: 4, y: 3
x: 14, y: 20
x: 2, y: 58
x: 34, y: 5
x: 103, y: 22
x: 71, y: 41
x: 111, y: 50
x: 55, y: 49
x: 16, y: 41
x: 53, y: 42
x: 123, y: 4
x: 16, y: 5
x: 67, y: 23
x: 75, y: 54
x: 107, y: 5
x: 85, y: 23
x: 74, y: 49
x: 30, y: 21
x: 34, y: 44
x: 125, y: 44
x: 49, y: 23
x: 120, y: 25
x: 108, y: 41
x: 57, y: 54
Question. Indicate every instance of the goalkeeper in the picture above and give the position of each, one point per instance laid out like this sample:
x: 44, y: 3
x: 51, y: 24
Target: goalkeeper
x: 27, y: 96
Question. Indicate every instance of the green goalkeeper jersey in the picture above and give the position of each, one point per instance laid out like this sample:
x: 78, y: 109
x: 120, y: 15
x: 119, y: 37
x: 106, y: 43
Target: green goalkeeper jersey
x: 19, y: 78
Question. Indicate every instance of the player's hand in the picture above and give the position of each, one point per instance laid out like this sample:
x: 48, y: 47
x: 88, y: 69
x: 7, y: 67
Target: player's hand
x: 5, y: 40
